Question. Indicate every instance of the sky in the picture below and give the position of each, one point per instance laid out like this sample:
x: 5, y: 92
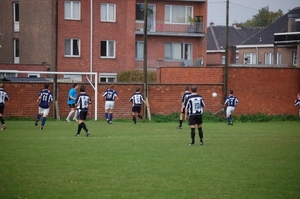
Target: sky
x: 242, y: 10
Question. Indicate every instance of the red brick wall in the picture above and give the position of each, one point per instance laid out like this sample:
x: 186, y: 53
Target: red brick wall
x: 265, y: 90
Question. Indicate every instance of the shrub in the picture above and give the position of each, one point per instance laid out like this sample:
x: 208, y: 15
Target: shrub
x: 135, y: 76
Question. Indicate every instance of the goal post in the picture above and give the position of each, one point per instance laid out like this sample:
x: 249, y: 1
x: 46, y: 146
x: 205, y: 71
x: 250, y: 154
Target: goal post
x: 95, y: 86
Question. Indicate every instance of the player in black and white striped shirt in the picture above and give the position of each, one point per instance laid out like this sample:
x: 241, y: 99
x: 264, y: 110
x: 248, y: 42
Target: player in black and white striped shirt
x: 82, y: 103
x: 3, y: 98
x: 193, y: 113
x: 184, y: 97
x: 137, y: 100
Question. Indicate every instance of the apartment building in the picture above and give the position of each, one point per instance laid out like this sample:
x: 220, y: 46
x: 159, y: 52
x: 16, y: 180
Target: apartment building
x: 107, y: 37
x: 102, y: 36
x: 27, y: 35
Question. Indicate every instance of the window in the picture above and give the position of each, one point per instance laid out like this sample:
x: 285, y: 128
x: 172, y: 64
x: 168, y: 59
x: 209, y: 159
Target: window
x: 108, y: 12
x: 294, y: 58
x: 72, y: 47
x: 250, y: 58
x: 107, y: 49
x: 16, y: 16
x: 2, y: 75
x: 139, y: 50
x: 139, y: 16
x: 33, y: 75
x: 178, y: 14
x: 269, y: 58
x: 178, y: 51
x: 16, y: 51
x: 223, y: 59
x: 72, y: 10
x: 279, y: 58
x: 74, y: 77
x: 107, y: 77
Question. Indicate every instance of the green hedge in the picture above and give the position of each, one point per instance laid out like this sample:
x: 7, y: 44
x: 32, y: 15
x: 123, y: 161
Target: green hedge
x: 135, y: 76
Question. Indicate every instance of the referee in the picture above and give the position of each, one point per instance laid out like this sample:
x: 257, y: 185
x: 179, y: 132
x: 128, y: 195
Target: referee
x: 193, y: 114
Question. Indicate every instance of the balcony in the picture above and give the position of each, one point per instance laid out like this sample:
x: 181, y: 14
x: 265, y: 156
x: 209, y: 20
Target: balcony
x: 155, y: 63
x: 160, y: 28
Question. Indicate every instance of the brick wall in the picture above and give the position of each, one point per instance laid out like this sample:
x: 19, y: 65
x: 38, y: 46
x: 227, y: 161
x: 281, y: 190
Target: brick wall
x: 265, y: 90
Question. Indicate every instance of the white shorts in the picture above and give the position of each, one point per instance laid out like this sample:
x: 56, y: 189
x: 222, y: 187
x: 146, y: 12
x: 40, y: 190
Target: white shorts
x: 109, y: 105
x: 44, y: 111
x: 230, y: 110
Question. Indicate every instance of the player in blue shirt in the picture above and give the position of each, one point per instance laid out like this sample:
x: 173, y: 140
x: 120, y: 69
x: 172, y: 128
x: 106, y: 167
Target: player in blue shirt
x: 44, y: 99
x: 193, y: 114
x: 231, y: 102
x: 297, y: 103
x: 3, y: 98
x: 109, y: 95
x: 71, y: 101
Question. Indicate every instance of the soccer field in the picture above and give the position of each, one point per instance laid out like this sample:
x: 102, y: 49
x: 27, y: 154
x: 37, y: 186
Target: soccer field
x: 149, y: 160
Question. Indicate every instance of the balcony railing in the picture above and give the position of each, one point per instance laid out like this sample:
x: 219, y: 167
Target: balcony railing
x: 160, y: 27
x: 155, y: 63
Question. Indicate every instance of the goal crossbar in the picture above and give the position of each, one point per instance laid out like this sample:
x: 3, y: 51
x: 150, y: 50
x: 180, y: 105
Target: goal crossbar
x: 65, y: 73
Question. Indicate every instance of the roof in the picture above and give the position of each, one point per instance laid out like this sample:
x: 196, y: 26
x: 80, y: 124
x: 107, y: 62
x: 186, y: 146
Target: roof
x: 266, y: 35
x: 24, y: 79
x: 216, y: 36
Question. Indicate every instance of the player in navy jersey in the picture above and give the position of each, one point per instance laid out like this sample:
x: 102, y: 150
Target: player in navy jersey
x: 137, y: 100
x: 109, y: 95
x: 3, y: 97
x: 193, y: 114
x: 297, y: 103
x: 71, y: 101
x: 44, y: 99
x: 231, y: 102
x: 82, y: 102
x: 184, y: 97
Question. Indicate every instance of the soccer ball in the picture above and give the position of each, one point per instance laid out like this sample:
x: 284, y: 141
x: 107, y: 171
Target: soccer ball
x: 214, y: 94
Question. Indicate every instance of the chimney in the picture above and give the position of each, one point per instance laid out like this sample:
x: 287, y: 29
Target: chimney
x: 292, y: 27
x: 211, y: 24
x: 237, y: 26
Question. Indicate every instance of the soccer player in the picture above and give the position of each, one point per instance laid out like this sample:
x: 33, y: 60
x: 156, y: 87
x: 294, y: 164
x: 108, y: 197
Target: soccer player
x: 184, y: 97
x: 82, y: 102
x: 193, y: 114
x: 3, y: 97
x: 71, y: 102
x: 297, y: 103
x: 137, y: 100
x: 231, y: 102
x: 44, y: 99
x: 109, y: 95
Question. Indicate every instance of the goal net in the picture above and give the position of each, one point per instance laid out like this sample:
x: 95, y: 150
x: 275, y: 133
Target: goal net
x: 56, y: 78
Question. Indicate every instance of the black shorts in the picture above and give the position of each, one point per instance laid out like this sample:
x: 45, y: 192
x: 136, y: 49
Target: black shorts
x: 1, y: 109
x: 195, y: 119
x: 82, y: 114
x: 136, y: 109
x: 72, y: 105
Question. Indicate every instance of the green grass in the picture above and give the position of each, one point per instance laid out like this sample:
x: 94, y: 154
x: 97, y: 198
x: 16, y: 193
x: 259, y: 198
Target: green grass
x: 150, y: 160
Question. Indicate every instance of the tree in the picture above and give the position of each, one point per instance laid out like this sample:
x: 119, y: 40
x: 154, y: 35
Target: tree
x: 263, y: 18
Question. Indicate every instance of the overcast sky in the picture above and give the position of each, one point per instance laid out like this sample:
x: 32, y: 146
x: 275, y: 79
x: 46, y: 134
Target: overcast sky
x: 242, y: 10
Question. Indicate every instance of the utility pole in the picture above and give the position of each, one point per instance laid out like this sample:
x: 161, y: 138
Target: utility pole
x: 226, y: 52
x: 145, y: 53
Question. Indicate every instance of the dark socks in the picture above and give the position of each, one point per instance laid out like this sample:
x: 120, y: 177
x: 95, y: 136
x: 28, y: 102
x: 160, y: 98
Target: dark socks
x: 180, y: 122
x: 193, y: 135
x: 200, y: 133
x: 2, y: 120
